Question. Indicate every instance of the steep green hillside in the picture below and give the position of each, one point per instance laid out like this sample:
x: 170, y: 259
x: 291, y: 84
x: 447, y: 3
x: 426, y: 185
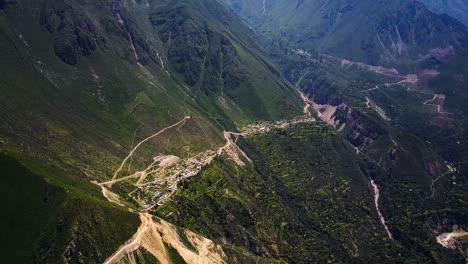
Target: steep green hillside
x: 380, y: 33
x: 431, y: 64
x: 83, y: 82
x: 113, y: 77
x: 304, y: 199
x: 404, y: 112
x: 147, y: 131
x: 48, y: 217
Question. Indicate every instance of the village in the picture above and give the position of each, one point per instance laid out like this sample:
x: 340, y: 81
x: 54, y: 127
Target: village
x: 159, y: 181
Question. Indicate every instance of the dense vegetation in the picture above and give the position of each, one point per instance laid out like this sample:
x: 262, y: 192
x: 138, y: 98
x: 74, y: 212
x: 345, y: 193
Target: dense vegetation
x: 303, y: 200
x: 50, y: 218
x: 407, y: 151
x: 374, y: 32
x: 82, y: 81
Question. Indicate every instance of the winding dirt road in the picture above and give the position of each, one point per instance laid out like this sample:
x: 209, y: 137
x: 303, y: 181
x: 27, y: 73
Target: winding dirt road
x: 153, y: 235
x: 438, y: 101
x: 134, y: 243
x: 450, y: 170
x: 181, y: 122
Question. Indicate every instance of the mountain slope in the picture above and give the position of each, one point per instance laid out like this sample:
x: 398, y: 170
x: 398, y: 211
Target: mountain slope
x: 109, y: 85
x: 303, y: 199
x: 83, y: 81
x: 401, y: 104
x: 455, y: 8
x: 144, y: 131
x: 373, y: 32
x: 58, y: 219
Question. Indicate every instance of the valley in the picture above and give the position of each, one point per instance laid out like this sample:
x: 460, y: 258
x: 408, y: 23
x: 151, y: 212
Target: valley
x: 233, y: 131
x: 387, y: 91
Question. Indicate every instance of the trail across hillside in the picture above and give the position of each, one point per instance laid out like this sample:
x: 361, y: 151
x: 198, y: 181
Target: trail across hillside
x: 168, y: 170
x: 438, y: 101
x: 451, y: 168
x: 181, y: 122
x: 134, y: 243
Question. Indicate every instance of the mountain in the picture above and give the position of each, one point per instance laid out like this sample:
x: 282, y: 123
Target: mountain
x: 83, y: 81
x: 303, y: 199
x: 232, y: 131
x: 377, y: 33
x: 397, y: 96
x: 457, y: 8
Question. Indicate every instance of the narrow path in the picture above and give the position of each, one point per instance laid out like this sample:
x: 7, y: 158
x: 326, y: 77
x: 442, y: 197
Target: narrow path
x: 231, y: 148
x: 372, y: 68
x: 146, y: 139
x: 431, y: 100
x: 370, y: 89
x: 368, y: 102
x: 307, y: 102
x: 358, y: 151
x: 134, y: 243
x: 438, y: 100
x: 450, y: 169
x: 305, y: 99
x: 154, y: 233
x: 132, y: 46
x: 151, y: 77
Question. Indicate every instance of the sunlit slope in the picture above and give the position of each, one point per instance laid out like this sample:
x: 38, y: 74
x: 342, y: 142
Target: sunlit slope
x: 109, y: 68
x: 82, y: 82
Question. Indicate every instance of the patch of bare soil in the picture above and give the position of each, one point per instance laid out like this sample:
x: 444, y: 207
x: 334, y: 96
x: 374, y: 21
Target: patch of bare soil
x: 154, y: 233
